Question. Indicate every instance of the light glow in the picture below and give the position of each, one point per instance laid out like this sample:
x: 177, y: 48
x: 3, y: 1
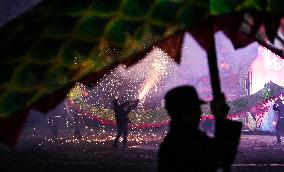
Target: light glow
x: 265, y: 68
x: 159, y: 71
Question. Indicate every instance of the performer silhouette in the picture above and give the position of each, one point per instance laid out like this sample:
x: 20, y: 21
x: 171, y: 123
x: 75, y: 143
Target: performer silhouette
x: 121, y: 116
x: 279, y: 107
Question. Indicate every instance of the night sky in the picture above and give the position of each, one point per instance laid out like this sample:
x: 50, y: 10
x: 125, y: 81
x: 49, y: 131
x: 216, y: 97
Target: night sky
x: 11, y: 8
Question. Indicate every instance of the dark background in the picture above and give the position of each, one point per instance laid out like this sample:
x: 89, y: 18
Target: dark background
x: 9, y: 9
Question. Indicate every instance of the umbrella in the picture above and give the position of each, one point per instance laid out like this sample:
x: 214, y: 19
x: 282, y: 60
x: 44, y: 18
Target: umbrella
x: 57, y: 43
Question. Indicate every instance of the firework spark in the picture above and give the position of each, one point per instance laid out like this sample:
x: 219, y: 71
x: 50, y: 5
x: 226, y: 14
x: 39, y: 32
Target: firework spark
x: 159, y: 69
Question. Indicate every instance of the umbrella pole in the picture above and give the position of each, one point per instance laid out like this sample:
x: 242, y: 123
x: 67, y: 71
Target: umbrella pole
x: 215, y: 82
x: 213, y: 69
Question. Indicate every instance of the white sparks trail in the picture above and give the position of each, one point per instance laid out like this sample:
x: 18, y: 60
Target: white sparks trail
x: 158, y: 71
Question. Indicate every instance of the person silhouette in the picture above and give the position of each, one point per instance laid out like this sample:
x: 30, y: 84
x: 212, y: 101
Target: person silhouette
x: 185, y: 147
x: 279, y: 107
x: 121, y: 117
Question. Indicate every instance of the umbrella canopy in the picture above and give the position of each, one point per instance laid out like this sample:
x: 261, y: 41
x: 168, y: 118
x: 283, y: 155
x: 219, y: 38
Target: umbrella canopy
x: 45, y: 51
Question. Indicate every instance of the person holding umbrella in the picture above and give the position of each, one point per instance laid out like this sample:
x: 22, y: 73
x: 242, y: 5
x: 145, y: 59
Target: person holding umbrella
x: 185, y: 147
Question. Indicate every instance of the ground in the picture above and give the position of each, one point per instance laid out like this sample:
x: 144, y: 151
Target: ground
x: 256, y: 153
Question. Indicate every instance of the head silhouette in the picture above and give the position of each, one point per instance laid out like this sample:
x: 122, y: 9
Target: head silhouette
x: 183, y: 105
